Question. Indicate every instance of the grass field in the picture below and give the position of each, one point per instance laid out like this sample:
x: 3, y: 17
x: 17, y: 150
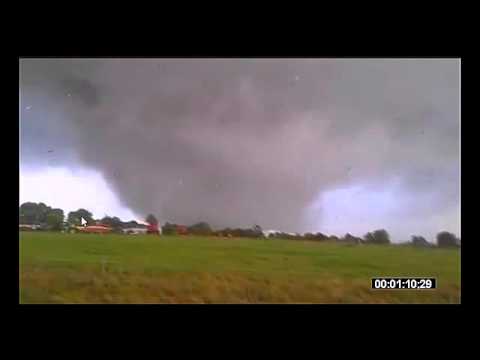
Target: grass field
x: 68, y: 268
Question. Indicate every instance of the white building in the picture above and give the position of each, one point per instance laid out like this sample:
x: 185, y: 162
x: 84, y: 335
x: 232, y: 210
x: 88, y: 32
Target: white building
x: 134, y: 231
x: 267, y: 233
x: 31, y: 227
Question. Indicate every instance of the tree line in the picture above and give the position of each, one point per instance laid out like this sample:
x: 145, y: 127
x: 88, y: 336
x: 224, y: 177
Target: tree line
x: 53, y: 219
x: 41, y: 214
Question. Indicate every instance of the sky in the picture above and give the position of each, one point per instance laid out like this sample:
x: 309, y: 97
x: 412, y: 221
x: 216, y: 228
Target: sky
x: 329, y: 145
x: 70, y: 189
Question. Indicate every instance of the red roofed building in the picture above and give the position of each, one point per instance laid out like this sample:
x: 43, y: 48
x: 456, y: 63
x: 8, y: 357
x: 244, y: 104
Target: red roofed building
x: 181, y: 230
x: 153, y: 229
x: 95, y: 229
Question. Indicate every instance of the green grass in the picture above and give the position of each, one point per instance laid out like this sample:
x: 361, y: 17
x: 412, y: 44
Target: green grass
x: 82, y: 268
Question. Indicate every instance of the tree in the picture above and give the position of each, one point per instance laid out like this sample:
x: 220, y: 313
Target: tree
x: 113, y: 222
x: 257, y: 231
x: 43, y: 211
x: 201, y: 228
x: 132, y: 224
x: 420, y: 241
x: 74, y: 217
x: 377, y: 237
x: 28, y: 213
x: 254, y: 232
x: 320, y: 237
x: 447, y: 239
x: 350, y: 239
x: 237, y: 232
x: 151, y: 219
x: 54, y: 219
x: 169, y: 229
x: 368, y: 237
x: 224, y: 232
x: 333, y: 238
x: 33, y: 213
x: 41, y: 214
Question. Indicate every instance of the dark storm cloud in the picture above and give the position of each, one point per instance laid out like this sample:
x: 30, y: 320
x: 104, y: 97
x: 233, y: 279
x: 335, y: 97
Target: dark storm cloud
x: 82, y: 89
x: 236, y: 142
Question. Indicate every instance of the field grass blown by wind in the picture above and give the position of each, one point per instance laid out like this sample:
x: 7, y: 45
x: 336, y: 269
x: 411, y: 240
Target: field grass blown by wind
x: 68, y: 268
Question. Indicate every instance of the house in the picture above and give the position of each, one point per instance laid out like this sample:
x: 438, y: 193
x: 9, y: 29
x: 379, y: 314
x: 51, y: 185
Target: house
x: 181, y: 230
x: 94, y: 229
x: 153, y: 229
x: 135, y: 230
x: 267, y: 233
x: 27, y: 227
